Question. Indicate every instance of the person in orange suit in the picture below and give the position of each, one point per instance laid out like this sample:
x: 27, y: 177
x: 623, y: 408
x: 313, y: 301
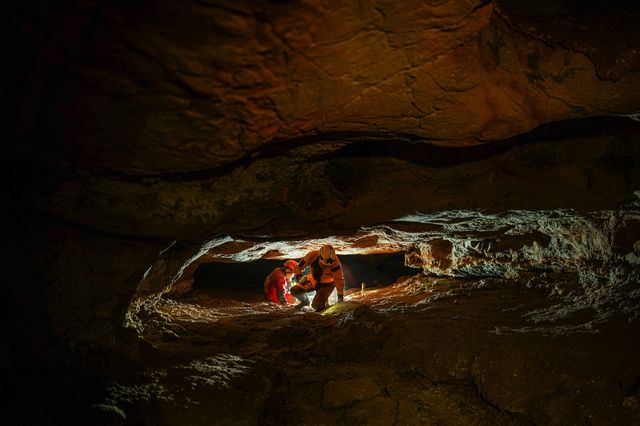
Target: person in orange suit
x: 325, y: 276
x: 278, y: 282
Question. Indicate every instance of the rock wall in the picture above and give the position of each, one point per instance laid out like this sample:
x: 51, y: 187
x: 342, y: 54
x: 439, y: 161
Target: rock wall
x: 67, y: 293
x: 131, y: 126
x: 145, y: 89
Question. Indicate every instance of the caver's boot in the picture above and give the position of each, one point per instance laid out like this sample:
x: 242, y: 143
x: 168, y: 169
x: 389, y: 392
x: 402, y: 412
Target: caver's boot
x: 304, y: 300
x: 321, y: 308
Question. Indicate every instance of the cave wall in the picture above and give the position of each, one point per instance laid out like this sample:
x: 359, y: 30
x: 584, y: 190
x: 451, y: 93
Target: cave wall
x: 67, y: 293
x: 201, y: 112
x: 130, y: 126
x: 301, y: 191
x: 165, y: 87
x: 72, y: 285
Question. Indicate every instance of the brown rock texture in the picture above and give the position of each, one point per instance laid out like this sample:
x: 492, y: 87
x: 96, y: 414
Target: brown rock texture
x: 488, y: 140
x: 175, y: 87
x: 423, y: 351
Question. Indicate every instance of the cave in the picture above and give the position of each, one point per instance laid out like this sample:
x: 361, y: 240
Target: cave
x: 475, y: 164
x: 247, y: 277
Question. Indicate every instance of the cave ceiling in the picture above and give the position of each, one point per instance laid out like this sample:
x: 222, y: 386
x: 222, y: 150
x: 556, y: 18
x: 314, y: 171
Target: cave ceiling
x: 301, y: 118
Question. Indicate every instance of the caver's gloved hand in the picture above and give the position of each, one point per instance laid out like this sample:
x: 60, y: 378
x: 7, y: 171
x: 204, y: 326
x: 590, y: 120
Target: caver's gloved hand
x: 340, y: 297
x: 305, y: 283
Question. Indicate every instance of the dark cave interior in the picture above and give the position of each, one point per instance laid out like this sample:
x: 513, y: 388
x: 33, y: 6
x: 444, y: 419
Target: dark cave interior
x: 476, y: 164
x: 244, y: 279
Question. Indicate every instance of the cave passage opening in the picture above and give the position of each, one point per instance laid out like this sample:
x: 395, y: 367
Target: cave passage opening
x: 560, y: 251
x: 243, y: 281
x: 225, y: 290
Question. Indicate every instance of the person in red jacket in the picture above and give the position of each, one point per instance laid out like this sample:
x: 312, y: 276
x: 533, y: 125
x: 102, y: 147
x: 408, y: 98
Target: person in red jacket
x: 326, y: 275
x: 278, y: 282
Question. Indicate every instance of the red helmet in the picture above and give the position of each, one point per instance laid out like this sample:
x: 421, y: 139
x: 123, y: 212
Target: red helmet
x: 291, y: 264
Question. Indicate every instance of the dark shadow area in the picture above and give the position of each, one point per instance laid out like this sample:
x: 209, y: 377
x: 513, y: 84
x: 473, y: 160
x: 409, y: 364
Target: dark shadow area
x: 246, y: 279
x: 374, y: 269
x: 567, y: 7
x: 415, y: 150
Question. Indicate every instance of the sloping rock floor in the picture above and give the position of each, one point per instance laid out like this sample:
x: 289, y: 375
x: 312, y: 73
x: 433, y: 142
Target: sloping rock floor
x: 423, y: 350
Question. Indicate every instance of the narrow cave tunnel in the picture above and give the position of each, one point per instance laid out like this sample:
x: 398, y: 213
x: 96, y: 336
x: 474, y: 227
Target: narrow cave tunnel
x: 225, y: 289
x: 475, y: 164
x: 247, y: 278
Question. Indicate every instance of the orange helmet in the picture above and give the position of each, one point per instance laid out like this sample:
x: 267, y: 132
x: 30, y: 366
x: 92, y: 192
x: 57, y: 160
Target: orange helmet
x: 327, y: 255
x: 291, y: 264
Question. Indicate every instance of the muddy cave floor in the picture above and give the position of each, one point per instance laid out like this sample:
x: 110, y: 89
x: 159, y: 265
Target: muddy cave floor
x: 423, y: 350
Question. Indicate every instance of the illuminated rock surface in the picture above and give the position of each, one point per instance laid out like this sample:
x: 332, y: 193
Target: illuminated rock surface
x: 426, y: 350
x: 147, y: 143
